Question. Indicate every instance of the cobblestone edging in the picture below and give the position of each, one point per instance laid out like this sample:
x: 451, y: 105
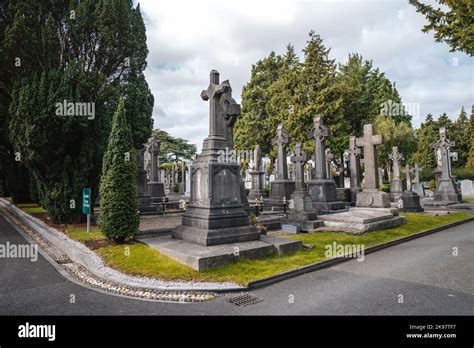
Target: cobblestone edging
x: 113, y: 281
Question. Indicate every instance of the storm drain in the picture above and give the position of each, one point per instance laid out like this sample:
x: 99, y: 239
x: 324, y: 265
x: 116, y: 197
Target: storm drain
x: 245, y: 300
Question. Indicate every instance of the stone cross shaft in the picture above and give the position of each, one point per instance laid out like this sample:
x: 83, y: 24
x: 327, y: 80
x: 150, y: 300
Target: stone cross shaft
x: 408, y: 172
x: 368, y: 142
x: 395, y: 157
x: 442, y: 147
x: 354, y: 162
x: 299, y: 159
x: 154, y: 149
x: 281, y: 141
x: 318, y: 134
x: 417, y: 171
x: 257, y: 158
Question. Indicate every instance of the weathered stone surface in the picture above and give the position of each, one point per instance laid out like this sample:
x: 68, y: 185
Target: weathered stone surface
x: 396, y: 184
x: 361, y: 220
x: 467, y: 188
x: 281, y: 187
x: 371, y: 196
x: 322, y: 189
x: 373, y: 199
x: 446, y: 189
x: 256, y: 173
x: 215, y: 214
x: 201, y: 258
x: 410, y: 202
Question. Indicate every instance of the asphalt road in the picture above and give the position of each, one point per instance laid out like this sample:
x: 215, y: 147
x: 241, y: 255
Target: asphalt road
x: 423, y: 274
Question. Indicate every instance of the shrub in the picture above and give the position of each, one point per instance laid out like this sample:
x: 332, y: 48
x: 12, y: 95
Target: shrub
x: 118, y: 199
x: 463, y: 173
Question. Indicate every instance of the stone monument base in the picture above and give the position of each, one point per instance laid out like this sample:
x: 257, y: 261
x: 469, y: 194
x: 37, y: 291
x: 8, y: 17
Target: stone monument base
x: 323, y: 195
x: 447, y: 192
x: 361, y: 220
x: 201, y: 258
x: 301, y: 213
x: 281, y: 188
x: 410, y: 202
x: 343, y: 194
x: 215, y: 225
x: 373, y: 199
x: 156, y: 191
x: 256, y: 194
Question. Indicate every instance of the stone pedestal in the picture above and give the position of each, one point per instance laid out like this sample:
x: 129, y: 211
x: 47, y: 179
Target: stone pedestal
x: 302, y: 213
x: 419, y: 189
x: 156, y: 191
x: 323, y: 195
x: 257, y: 185
x: 280, y: 188
x: 396, y: 189
x: 373, y: 198
x: 447, y: 191
x: 343, y: 194
x: 410, y: 202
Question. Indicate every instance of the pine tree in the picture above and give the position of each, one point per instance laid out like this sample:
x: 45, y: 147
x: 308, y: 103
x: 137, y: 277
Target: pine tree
x: 119, y: 217
x: 255, y: 125
x: 427, y: 134
x: 460, y: 134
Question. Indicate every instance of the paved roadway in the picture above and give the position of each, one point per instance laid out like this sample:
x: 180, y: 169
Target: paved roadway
x: 431, y: 280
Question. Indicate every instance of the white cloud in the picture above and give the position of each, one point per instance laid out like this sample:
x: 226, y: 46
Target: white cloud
x: 187, y: 39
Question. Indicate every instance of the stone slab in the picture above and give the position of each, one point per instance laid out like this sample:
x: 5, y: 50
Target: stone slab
x: 359, y: 228
x: 201, y: 258
x: 288, y: 228
x: 360, y: 217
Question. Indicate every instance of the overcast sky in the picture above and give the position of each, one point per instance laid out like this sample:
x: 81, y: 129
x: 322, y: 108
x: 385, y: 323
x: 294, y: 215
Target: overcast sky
x: 187, y: 39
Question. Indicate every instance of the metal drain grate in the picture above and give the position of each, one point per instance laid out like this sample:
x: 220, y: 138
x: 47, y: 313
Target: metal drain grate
x: 245, y: 300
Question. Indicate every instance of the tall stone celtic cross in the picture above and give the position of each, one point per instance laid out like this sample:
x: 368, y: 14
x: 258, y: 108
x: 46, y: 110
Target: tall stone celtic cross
x: 319, y: 133
x: 395, y: 157
x: 417, y: 169
x: 299, y: 159
x: 368, y: 142
x: 281, y: 140
x: 223, y: 112
x: 442, y: 147
x: 354, y: 162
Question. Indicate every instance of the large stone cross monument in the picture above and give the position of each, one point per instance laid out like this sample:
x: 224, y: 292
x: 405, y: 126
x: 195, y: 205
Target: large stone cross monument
x: 215, y: 213
x: 322, y: 189
x: 354, y: 167
x: 396, y: 184
x: 281, y: 187
x: 446, y: 190
x: 370, y: 195
x: 301, y: 214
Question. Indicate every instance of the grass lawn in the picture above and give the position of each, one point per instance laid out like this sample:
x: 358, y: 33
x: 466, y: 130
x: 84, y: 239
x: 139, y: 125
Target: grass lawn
x: 138, y: 259
x: 468, y: 199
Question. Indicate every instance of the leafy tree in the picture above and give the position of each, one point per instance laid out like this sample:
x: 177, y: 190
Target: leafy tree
x: 461, y: 135
x: 82, y: 52
x: 453, y: 25
x: 401, y: 135
x: 427, y: 134
x: 173, y: 150
x: 119, y: 217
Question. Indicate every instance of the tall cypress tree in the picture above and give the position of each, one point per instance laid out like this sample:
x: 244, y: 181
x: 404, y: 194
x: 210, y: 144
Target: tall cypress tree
x: 118, y: 199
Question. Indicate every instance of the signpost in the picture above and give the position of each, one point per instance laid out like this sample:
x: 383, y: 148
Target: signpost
x: 86, y: 205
